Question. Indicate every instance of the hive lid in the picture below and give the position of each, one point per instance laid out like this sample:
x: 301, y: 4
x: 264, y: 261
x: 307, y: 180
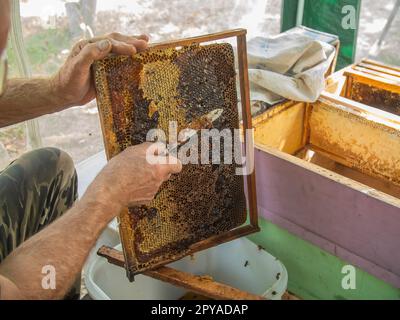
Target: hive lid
x: 205, y: 204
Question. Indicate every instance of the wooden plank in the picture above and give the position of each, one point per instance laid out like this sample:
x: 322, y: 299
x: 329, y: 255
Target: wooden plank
x: 325, y: 173
x: 364, y: 144
x: 202, y: 285
x: 380, y: 64
x: 348, y: 86
x: 341, y: 166
x: 373, y: 80
x: 380, y: 69
x: 377, y: 73
x: 282, y: 127
x: 247, y: 125
x: 342, y: 216
x: 306, y: 124
x: 354, y: 107
x: 332, y: 67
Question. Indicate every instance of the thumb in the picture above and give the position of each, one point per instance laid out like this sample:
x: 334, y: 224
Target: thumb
x: 94, y: 51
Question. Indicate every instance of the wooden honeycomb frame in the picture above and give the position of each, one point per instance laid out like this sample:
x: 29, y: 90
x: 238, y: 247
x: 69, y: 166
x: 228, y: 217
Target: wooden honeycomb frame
x: 240, y: 35
x: 374, y: 84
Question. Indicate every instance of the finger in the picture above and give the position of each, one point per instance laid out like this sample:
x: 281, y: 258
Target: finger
x: 139, y: 42
x: 139, y: 203
x: 122, y: 48
x: 144, y: 37
x: 153, y: 152
x: 173, y: 165
x: 139, y: 45
x: 78, y: 47
x: 92, y: 52
x: 159, y: 148
x: 128, y: 39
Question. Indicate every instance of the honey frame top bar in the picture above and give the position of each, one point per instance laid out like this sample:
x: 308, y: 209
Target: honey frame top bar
x: 199, y: 39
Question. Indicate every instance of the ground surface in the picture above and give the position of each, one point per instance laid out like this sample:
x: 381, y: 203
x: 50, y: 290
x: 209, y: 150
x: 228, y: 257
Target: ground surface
x: 47, y: 38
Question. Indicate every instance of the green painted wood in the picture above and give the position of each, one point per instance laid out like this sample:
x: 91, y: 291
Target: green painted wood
x: 326, y: 16
x: 288, y: 14
x: 314, y: 273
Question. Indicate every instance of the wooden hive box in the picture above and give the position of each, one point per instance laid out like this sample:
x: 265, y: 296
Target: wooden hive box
x: 329, y: 172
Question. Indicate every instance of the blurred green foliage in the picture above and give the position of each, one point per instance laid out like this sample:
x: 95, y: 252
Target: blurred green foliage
x: 45, y: 51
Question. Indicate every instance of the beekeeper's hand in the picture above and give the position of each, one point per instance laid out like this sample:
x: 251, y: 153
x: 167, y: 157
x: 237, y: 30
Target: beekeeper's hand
x: 73, y: 83
x: 133, y: 177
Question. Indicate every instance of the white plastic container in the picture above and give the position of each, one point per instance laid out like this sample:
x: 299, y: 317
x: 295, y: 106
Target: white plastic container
x: 239, y: 263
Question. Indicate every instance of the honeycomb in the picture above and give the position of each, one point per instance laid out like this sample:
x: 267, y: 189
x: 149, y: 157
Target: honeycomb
x: 146, y: 91
x: 376, y: 97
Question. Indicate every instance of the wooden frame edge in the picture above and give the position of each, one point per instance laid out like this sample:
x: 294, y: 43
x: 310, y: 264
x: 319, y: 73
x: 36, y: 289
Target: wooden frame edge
x: 373, y: 80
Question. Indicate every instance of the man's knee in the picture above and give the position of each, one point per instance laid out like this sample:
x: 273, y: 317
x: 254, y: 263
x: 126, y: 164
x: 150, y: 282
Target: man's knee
x: 64, y: 160
x: 35, y: 189
x: 42, y: 171
x: 56, y: 169
x: 45, y: 163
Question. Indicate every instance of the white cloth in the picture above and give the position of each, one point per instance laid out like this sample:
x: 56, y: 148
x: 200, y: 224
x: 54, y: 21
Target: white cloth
x: 290, y: 66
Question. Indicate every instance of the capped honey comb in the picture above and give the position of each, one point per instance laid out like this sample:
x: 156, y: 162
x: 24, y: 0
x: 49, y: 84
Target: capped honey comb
x: 146, y: 91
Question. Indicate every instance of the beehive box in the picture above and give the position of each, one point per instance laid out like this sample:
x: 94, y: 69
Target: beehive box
x: 374, y: 84
x: 329, y: 172
x: 179, y: 81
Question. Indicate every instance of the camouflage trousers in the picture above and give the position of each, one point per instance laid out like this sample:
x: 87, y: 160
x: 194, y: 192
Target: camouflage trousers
x: 35, y: 190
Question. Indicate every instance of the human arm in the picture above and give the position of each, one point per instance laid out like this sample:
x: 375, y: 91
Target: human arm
x: 72, y: 85
x: 128, y: 179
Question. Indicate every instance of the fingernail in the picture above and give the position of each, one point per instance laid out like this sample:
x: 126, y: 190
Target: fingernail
x: 103, y: 45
